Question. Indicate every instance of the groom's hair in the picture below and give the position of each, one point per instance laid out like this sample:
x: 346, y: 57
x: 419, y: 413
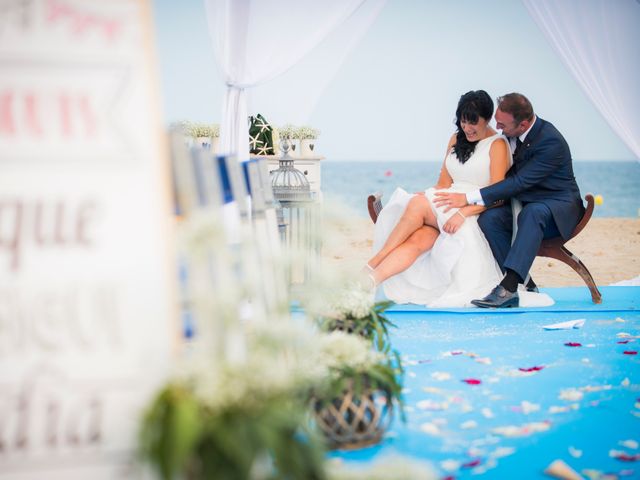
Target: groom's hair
x: 517, y: 105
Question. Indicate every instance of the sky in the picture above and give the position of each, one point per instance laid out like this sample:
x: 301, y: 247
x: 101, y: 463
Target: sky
x: 394, y: 97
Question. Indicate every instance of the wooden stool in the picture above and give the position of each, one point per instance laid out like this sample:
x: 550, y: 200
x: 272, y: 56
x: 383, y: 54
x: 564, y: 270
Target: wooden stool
x: 551, y: 247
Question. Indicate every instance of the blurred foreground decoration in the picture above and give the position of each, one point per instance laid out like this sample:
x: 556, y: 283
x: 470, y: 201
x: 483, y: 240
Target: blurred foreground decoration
x: 84, y: 248
x: 250, y: 373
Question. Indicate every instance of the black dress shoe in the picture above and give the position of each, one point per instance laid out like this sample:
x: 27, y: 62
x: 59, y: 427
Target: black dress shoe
x: 499, y: 297
x: 532, y: 289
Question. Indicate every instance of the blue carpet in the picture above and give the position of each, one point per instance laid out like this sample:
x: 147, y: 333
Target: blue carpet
x: 571, y: 299
x: 582, y: 407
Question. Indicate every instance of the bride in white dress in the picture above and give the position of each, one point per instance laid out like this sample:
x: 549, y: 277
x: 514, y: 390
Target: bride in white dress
x: 428, y: 257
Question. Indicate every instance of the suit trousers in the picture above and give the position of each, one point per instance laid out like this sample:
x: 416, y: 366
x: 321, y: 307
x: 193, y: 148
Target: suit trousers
x: 535, y: 223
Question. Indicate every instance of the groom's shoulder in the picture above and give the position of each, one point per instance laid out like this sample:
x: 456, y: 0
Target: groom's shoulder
x: 548, y: 136
x: 548, y: 129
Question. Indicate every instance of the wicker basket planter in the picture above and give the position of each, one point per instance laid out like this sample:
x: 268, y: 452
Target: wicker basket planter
x: 356, y: 419
x: 348, y: 326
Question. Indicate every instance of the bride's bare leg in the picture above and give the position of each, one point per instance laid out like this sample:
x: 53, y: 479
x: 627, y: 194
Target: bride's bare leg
x: 403, y: 256
x: 417, y: 214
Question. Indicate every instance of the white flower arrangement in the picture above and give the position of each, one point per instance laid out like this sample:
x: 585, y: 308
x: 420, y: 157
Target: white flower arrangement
x: 287, y: 132
x: 352, y: 302
x: 212, y: 406
x: 306, y: 133
x: 282, y: 360
x: 352, y: 364
x: 197, y: 130
x: 340, y: 351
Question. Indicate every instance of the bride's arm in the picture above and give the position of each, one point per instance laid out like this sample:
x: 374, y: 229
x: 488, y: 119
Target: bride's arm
x: 445, y: 179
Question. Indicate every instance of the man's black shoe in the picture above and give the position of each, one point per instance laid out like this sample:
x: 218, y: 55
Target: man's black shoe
x: 533, y: 289
x: 499, y: 297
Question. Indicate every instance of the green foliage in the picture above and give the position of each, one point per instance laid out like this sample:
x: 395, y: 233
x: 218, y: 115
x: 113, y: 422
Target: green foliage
x: 182, y: 438
x: 170, y: 431
x: 374, y: 326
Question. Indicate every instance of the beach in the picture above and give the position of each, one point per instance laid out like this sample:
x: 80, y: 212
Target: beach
x: 609, y: 247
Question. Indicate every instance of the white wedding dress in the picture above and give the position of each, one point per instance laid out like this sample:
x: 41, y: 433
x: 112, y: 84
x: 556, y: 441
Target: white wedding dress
x: 460, y: 267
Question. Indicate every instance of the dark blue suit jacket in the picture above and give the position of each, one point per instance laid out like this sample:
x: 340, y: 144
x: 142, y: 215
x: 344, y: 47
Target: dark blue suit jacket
x: 542, y: 172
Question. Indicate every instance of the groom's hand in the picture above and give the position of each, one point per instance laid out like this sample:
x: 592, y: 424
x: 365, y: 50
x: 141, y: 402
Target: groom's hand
x: 450, y: 200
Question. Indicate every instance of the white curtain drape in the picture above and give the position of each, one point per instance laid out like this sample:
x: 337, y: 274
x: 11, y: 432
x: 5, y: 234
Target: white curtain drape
x: 294, y: 95
x: 255, y: 41
x: 599, y: 42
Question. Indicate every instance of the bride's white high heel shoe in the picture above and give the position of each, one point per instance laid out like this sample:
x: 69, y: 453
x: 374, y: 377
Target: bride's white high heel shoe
x: 366, y: 278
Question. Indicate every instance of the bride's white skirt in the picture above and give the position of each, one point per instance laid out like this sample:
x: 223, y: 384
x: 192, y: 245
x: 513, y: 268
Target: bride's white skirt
x: 459, y: 268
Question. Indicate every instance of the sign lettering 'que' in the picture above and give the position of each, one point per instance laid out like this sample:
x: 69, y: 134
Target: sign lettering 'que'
x: 85, y: 295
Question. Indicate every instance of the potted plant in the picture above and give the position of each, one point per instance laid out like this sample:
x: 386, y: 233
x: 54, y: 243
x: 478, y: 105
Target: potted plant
x: 287, y: 134
x: 355, y: 406
x: 307, y: 136
x: 239, y: 419
x: 355, y: 311
x: 204, y: 134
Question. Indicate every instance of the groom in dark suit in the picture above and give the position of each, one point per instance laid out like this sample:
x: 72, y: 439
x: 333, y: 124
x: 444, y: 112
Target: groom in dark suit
x: 541, y: 179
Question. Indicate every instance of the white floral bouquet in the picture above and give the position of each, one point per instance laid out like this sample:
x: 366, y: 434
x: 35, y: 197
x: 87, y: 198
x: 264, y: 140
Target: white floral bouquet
x: 287, y: 132
x: 352, y: 365
x: 306, y: 133
x: 355, y: 311
x: 197, y: 129
x: 221, y: 419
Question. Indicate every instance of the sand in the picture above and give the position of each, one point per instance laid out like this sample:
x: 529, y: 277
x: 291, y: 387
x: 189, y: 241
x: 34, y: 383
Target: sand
x: 609, y: 247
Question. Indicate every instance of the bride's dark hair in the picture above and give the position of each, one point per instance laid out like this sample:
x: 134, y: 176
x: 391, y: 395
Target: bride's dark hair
x: 472, y: 106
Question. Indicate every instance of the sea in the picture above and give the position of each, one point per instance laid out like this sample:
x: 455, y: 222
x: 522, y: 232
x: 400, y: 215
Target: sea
x: 615, y: 183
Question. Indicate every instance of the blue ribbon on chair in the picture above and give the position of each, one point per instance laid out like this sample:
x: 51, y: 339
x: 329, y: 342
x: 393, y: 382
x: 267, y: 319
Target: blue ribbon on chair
x: 227, y: 192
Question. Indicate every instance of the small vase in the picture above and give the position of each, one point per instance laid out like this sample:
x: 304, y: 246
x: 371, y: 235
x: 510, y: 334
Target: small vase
x: 306, y: 147
x: 215, y: 144
x: 204, y: 142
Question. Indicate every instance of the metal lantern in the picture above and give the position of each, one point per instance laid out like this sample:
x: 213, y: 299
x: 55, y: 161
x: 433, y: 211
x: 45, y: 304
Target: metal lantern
x: 296, y: 217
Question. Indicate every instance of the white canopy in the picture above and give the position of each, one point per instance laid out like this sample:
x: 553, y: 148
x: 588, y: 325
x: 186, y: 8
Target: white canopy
x: 599, y: 42
x: 251, y: 49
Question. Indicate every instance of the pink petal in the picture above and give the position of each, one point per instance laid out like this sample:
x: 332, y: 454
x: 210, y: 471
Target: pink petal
x: 625, y: 457
x: 630, y: 352
x: 532, y: 369
x: 472, y: 463
x: 572, y: 344
x: 457, y: 352
x: 472, y: 381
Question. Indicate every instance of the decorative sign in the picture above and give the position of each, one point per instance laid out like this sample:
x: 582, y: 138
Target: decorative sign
x: 85, y: 272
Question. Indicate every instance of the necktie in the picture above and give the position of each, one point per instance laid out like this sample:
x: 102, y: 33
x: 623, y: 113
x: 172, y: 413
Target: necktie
x: 517, y: 150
